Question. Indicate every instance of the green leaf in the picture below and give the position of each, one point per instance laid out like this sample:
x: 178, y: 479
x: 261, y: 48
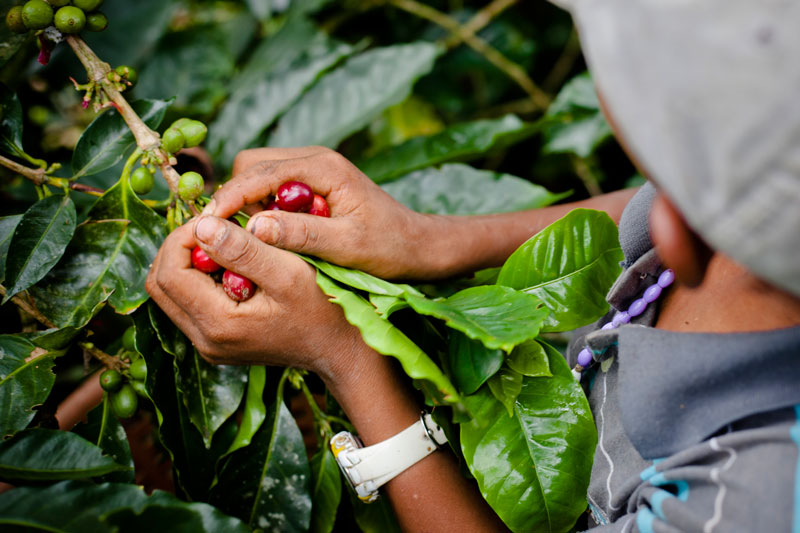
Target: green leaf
x: 193, y: 65
x: 104, y: 430
x: 108, y: 138
x: 470, y: 362
x: 386, y: 339
x: 498, y: 317
x: 54, y: 338
x: 460, y: 142
x: 529, y: 359
x: 11, y: 122
x: 255, y: 411
x: 326, y: 490
x: 49, y: 454
x: 192, y: 462
x: 533, y: 468
x: 164, y: 512
x: 266, y: 484
x: 26, y: 377
x: 108, y: 259
x: 7, y: 226
x: 361, y: 280
x: 254, y: 106
x: 386, y: 305
x: 570, y: 265
x: 12, y: 42
x: 574, y: 122
x: 350, y: 97
x: 39, y: 242
x: 211, y: 393
x: 505, y: 386
x: 457, y: 189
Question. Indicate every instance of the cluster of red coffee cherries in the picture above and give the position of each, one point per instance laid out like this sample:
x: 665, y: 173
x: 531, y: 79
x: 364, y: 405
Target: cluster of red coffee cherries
x: 292, y: 196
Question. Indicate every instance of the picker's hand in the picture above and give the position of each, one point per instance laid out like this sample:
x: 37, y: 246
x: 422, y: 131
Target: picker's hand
x: 368, y: 230
x: 287, y: 322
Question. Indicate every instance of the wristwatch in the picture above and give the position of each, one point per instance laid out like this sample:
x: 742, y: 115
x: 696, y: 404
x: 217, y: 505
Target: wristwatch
x: 367, y: 469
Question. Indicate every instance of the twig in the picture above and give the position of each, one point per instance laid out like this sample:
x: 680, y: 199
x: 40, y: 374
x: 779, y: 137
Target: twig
x: 586, y: 176
x: 108, y: 360
x: 39, y: 177
x: 28, y: 308
x: 480, y: 20
x: 564, y: 63
x: 511, y: 69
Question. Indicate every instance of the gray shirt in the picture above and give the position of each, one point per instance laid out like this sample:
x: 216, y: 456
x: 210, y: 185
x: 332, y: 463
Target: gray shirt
x: 696, y: 432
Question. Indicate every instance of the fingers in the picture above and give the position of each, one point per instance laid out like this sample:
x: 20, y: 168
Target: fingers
x: 236, y: 249
x: 319, y: 171
x: 247, y: 158
x: 298, y: 232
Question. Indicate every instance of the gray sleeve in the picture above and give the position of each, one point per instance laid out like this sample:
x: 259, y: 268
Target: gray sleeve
x: 740, y: 481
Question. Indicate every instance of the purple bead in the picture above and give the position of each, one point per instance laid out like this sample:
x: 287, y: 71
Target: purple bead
x: 637, y: 307
x: 621, y: 318
x: 609, y: 325
x: 652, y: 293
x: 585, y: 357
x: 666, y: 278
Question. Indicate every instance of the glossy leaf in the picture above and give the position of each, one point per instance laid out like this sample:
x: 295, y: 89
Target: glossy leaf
x: 7, y: 226
x: 26, y: 378
x: 361, y: 280
x: 574, y: 122
x: 529, y: 359
x: 533, y: 467
x: 39, y: 242
x: 266, y: 484
x: 570, y: 265
x: 10, y: 122
x: 498, y: 317
x: 48, y: 454
x: 271, y: 87
x: 12, y: 42
x: 193, y: 66
x: 54, y: 338
x: 386, y: 339
x: 470, y: 362
x: 106, y: 141
x: 211, y: 393
x: 351, y: 96
x: 386, y: 305
x: 104, y: 430
x: 505, y: 386
x: 457, y: 189
x: 255, y: 411
x: 326, y: 490
x: 460, y: 142
x: 108, y: 259
x: 192, y: 462
x: 81, y: 507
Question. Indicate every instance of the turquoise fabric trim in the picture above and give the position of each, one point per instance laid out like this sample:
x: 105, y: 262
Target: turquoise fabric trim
x: 644, y: 521
x: 794, y: 432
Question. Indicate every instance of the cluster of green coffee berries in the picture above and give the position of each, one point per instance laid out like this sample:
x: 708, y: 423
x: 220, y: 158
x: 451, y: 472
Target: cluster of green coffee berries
x: 123, y: 390
x: 68, y: 16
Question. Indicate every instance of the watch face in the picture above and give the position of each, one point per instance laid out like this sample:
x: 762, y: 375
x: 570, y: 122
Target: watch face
x: 341, y: 445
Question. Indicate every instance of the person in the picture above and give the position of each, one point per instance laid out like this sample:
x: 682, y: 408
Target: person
x: 697, y: 400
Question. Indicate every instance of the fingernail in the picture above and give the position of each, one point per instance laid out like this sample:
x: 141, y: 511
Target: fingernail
x: 265, y: 228
x: 210, y: 207
x: 209, y: 229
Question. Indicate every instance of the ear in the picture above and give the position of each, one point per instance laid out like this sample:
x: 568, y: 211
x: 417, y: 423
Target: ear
x: 679, y: 247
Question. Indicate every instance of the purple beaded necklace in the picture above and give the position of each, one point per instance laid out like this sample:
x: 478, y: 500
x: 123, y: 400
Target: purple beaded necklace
x: 636, y: 308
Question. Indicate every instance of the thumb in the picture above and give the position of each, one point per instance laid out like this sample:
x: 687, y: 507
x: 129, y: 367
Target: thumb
x: 297, y: 232
x: 239, y: 251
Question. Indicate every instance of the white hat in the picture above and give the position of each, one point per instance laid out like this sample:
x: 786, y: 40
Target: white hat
x: 706, y: 95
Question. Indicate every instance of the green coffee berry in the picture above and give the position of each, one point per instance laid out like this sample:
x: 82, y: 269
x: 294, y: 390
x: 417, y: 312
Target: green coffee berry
x: 14, y: 20
x: 139, y: 387
x: 110, y: 380
x: 70, y: 19
x: 172, y: 140
x: 190, y: 186
x: 87, y: 5
x: 142, y: 181
x: 138, y: 369
x: 124, y: 402
x: 58, y: 3
x: 194, y: 132
x: 127, y: 73
x: 96, y: 21
x: 128, y: 339
x: 181, y: 122
x: 37, y: 14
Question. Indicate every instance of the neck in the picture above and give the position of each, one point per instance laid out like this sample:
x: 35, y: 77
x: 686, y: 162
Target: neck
x: 730, y: 299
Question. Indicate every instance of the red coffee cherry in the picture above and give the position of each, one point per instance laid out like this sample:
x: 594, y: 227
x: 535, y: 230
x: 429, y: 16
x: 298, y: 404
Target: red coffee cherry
x: 320, y: 207
x: 237, y: 287
x: 272, y: 206
x: 202, y: 262
x: 294, y: 196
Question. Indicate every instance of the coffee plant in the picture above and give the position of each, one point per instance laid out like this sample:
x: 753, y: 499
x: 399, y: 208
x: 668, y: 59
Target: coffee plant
x: 115, y: 127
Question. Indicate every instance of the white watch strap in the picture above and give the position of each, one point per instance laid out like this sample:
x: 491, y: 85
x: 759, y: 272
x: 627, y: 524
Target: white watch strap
x: 369, y: 468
